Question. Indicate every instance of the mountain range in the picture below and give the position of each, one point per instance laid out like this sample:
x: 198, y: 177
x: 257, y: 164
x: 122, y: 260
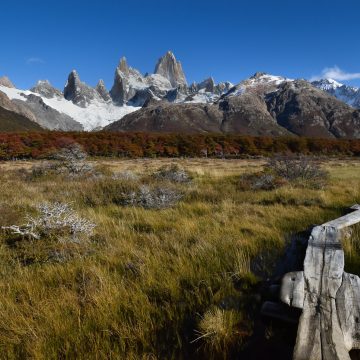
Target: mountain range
x: 164, y: 102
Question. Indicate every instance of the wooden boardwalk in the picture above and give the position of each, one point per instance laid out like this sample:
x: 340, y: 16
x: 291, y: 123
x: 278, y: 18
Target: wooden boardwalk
x: 329, y: 326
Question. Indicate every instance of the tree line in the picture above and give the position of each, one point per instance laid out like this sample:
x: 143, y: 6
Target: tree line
x: 39, y: 145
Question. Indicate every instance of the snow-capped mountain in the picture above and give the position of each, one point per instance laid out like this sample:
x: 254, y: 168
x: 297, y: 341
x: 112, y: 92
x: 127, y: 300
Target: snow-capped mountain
x: 260, y: 83
x: 263, y: 105
x: 82, y: 107
x: 58, y: 113
x: 348, y: 94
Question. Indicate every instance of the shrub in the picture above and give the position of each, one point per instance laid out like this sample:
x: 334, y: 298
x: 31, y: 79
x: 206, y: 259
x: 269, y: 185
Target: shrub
x: 57, y: 219
x: 126, y: 175
x: 173, y: 173
x: 280, y: 170
x: 260, y: 181
x: 152, y: 198
x: 302, y: 170
x: 72, y: 160
x: 40, y: 170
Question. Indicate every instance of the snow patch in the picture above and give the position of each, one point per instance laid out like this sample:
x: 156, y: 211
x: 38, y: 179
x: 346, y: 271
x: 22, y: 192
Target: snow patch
x: 97, y: 115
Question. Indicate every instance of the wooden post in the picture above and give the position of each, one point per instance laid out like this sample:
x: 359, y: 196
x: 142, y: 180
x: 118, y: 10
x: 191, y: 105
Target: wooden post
x: 329, y: 297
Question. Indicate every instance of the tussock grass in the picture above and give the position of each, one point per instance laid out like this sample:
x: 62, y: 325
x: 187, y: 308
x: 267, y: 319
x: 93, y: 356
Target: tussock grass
x: 150, y: 281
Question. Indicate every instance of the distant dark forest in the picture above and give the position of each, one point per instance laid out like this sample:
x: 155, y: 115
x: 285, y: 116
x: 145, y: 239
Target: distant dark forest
x: 38, y: 145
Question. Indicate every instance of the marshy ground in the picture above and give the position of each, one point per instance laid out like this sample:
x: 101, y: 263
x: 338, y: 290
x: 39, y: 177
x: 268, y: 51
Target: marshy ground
x: 173, y: 283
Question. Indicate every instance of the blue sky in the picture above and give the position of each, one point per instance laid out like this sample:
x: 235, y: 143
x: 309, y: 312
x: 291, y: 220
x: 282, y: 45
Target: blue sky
x: 228, y: 39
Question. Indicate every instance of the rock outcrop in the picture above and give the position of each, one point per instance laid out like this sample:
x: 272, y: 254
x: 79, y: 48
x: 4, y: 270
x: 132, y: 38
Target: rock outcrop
x: 131, y: 87
x: 19, y: 108
x: 248, y: 114
x: 102, y: 91
x: 13, y: 122
x: 348, y: 94
x: 208, y: 85
x: 307, y: 111
x: 126, y: 84
x: 78, y: 92
x: 171, y: 69
x: 166, y: 117
x: 44, y: 88
x: 5, y: 81
x: 47, y: 117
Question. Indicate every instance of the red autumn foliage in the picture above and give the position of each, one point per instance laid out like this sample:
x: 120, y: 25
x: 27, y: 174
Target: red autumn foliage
x: 133, y: 145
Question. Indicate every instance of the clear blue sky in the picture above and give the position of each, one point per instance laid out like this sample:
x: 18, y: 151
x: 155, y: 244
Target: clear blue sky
x: 228, y: 39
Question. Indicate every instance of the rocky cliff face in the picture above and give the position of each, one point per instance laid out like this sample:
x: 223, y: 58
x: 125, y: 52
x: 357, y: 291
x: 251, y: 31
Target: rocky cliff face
x: 307, y: 111
x: 47, y: 117
x: 166, y: 117
x: 18, y: 108
x: 102, y: 91
x: 171, y: 69
x: 11, y: 121
x: 248, y: 114
x: 262, y: 105
x: 44, y: 88
x: 131, y: 87
x: 126, y: 84
x: 5, y: 81
x: 348, y: 94
x: 78, y: 92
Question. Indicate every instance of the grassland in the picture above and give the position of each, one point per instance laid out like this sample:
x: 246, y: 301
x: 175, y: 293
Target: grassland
x: 177, y: 283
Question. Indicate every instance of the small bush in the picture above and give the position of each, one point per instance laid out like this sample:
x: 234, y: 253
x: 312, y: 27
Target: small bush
x: 260, y: 181
x: 173, y: 173
x: 152, y: 198
x: 40, y: 170
x: 72, y: 160
x: 282, y: 170
x: 126, y: 175
x: 300, y: 170
x: 53, y: 220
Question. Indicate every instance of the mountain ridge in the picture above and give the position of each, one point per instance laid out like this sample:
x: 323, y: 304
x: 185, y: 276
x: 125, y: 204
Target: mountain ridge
x: 133, y: 95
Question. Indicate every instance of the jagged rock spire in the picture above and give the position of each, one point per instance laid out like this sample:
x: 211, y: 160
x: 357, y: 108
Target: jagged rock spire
x: 118, y: 91
x: 171, y: 69
x: 5, y: 81
x: 78, y: 92
x: 208, y: 84
x: 123, y: 65
x: 102, y: 91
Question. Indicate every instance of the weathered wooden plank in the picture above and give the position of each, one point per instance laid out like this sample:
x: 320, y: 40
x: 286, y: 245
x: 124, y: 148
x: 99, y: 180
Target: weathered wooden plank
x: 292, y: 290
x: 348, y: 309
x: 345, y: 221
x: 329, y: 326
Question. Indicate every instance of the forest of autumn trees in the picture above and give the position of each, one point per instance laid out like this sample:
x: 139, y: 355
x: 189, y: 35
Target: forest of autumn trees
x: 39, y: 145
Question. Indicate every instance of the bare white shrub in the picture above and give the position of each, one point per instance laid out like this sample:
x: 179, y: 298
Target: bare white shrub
x: 26, y: 230
x: 126, y: 175
x: 173, y: 173
x: 264, y: 182
x: 296, y: 168
x: 51, y: 219
x: 72, y: 160
x: 149, y: 198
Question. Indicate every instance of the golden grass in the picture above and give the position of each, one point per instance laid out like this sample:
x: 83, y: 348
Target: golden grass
x: 152, y: 279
